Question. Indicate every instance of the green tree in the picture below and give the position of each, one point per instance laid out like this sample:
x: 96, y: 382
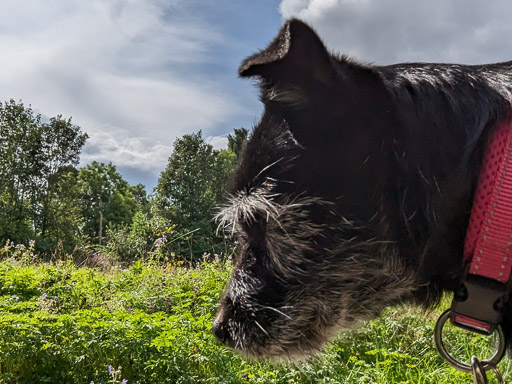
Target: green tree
x: 107, y: 200
x: 16, y: 125
x: 190, y: 186
x: 141, y: 197
x: 31, y: 154
x: 236, y: 140
x: 63, y: 213
x: 61, y: 144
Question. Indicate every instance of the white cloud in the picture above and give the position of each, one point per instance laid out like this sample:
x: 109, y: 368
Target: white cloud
x: 469, y: 31
x: 118, y: 146
x: 218, y: 142
x: 129, y: 64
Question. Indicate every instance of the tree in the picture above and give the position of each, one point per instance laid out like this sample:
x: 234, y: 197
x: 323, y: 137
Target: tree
x: 237, y: 140
x: 58, y: 154
x: 62, y: 212
x: 106, y: 199
x: 16, y: 125
x: 190, y: 186
x: 31, y: 153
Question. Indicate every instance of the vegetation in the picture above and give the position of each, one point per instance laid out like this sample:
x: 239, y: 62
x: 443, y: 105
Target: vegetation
x: 32, y: 156
x: 44, y: 197
x: 237, y: 139
x: 150, y: 323
x: 190, y: 186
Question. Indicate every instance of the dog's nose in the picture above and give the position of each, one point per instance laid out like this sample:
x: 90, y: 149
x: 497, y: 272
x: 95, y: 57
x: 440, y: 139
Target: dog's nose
x: 220, y: 328
x: 220, y: 332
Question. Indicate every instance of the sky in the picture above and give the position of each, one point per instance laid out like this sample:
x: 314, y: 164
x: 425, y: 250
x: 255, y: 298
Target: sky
x: 137, y: 74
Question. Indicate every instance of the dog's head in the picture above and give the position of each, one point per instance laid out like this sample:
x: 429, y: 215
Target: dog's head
x: 309, y: 203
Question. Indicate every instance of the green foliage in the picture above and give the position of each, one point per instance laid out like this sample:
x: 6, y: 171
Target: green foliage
x: 237, y: 139
x: 106, y: 199
x: 63, y: 214
x: 151, y: 323
x: 137, y: 240
x: 32, y: 156
x: 188, y: 189
x: 62, y: 324
x: 43, y: 197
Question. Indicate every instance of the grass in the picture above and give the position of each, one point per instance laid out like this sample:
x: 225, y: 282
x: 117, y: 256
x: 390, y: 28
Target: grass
x: 150, y: 323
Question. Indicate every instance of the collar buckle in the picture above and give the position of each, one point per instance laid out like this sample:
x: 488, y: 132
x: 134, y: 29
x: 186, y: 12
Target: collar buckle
x: 478, y: 305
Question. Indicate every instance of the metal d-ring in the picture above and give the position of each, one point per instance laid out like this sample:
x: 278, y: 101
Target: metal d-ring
x: 486, y: 364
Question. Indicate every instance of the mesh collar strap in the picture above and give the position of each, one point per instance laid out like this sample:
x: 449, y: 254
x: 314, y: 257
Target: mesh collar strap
x: 489, y: 237
x: 488, y: 244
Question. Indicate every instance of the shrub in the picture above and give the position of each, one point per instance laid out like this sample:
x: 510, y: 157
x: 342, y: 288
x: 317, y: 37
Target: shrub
x: 150, y: 323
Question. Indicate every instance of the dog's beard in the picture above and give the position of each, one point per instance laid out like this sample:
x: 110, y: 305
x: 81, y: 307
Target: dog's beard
x: 324, y: 290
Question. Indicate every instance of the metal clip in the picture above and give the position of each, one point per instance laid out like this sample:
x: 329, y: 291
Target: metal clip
x: 479, y: 372
x: 485, y: 364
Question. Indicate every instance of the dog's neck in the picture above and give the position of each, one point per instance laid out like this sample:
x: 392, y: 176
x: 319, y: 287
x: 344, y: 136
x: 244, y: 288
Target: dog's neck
x: 437, y: 177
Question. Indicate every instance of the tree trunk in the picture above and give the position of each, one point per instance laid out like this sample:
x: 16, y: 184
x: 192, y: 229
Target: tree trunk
x: 101, y: 227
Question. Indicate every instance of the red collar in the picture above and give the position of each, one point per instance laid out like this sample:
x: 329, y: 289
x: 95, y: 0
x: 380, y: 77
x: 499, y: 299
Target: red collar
x: 489, y: 236
x: 488, y: 246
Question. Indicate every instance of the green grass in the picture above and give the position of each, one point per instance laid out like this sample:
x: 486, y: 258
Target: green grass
x: 150, y: 323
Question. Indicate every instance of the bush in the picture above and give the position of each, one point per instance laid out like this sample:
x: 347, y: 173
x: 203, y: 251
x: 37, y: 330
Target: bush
x: 150, y: 323
x: 137, y: 240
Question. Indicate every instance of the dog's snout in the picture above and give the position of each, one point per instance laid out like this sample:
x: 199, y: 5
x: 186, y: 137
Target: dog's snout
x: 220, y: 327
x: 220, y: 331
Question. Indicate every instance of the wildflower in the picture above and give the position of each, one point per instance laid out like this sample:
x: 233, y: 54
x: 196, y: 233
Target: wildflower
x: 18, y: 246
x: 217, y: 258
x: 92, y: 382
x: 198, y: 265
x: 56, y: 298
x: 45, y: 295
x: 229, y: 257
x: 31, y: 243
x: 12, y: 243
x: 197, y: 287
x: 110, y: 368
x: 124, y: 381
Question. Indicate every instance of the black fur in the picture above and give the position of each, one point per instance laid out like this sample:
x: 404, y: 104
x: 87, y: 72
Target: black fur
x: 395, y: 151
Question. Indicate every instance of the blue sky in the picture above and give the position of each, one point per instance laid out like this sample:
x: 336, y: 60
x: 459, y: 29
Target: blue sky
x: 137, y: 74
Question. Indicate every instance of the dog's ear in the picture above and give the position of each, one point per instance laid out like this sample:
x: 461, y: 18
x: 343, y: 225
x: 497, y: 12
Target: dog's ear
x: 309, y: 87
x: 296, y: 54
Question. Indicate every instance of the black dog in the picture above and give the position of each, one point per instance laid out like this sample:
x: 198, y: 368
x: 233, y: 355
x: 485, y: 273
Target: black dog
x: 353, y: 192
